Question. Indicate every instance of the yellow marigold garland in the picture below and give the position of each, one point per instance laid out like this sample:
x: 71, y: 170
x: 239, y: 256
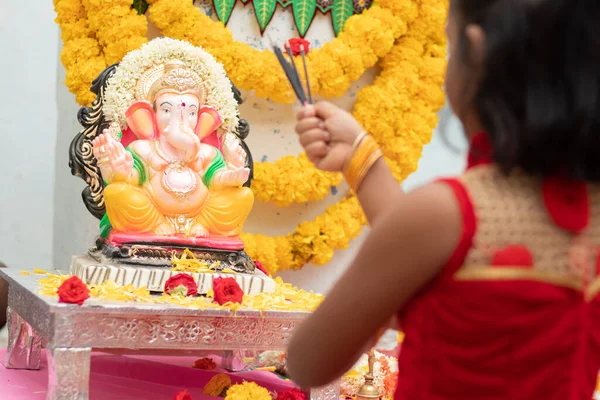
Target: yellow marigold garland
x: 272, y: 181
x: 399, y: 109
x: 365, y: 39
x: 96, y: 33
x: 81, y: 55
x: 118, y: 27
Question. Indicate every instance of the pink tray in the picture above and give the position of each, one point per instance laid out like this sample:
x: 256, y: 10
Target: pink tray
x: 132, y: 377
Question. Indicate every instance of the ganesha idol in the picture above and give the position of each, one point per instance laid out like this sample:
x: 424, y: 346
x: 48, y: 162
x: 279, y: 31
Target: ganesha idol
x: 163, y: 154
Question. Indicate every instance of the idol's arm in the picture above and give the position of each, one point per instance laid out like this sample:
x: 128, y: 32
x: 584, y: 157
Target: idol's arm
x: 213, y: 166
x: 218, y: 175
x: 409, y: 243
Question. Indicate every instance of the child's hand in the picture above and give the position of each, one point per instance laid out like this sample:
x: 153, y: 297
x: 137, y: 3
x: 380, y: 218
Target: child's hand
x: 327, y: 134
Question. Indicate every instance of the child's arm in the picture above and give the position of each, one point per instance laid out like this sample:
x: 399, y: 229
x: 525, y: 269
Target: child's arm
x: 327, y: 133
x: 406, y: 249
x: 378, y: 191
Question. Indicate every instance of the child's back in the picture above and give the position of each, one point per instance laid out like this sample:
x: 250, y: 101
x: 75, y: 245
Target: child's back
x: 515, y: 313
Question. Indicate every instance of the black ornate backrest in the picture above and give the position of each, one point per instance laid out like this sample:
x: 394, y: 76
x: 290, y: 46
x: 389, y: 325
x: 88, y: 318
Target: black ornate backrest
x: 81, y: 158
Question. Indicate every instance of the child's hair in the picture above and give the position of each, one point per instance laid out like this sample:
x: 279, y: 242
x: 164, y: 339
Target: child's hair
x: 538, y: 95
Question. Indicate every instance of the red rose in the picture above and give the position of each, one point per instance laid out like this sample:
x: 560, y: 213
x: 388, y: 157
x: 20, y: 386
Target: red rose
x: 259, y: 265
x: 227, y: 290
x: 73, y: 291
x: 297, y: 45
x: 206, y: 364
x: 291, y: 394
x: 183, y: 284
x: 183, y: 395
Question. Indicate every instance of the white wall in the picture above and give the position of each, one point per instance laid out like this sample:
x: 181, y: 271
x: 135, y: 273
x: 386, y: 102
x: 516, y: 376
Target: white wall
x: 53, y: 196
x: 29, y: 50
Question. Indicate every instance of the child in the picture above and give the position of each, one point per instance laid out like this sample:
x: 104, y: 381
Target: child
x: 492, y: 275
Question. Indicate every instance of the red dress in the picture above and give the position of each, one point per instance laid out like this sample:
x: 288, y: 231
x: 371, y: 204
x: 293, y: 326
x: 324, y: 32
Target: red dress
x: 515, y: 313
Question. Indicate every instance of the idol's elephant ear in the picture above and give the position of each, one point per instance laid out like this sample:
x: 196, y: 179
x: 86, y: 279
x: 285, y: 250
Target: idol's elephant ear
x: 141, y: 119
x: 209, y: 121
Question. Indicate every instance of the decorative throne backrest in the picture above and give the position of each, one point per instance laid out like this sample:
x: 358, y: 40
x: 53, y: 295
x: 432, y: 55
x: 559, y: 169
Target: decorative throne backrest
x: 84, y: 165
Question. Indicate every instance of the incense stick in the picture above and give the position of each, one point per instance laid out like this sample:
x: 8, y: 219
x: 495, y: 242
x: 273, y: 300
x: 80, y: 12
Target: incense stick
x: 296, y: 73
x: 290, y: 72
x: 303, y: 54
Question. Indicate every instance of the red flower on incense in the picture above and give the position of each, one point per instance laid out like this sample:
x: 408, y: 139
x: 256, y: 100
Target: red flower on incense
x: 297, y: 45
x: 182, y: 284
x: 227, y: 290
x: 73, y: 291
x: 183, y: 395
x: 291, y: 394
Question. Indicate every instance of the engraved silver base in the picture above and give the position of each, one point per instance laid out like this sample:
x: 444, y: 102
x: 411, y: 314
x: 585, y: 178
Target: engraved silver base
x: 72, y: 332
x: 24, y: 344
x: 154, y: 278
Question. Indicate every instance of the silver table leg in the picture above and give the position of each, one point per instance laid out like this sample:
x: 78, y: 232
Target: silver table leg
x: 24, y: 344
x: 329, y: 392
x: 68, y: 373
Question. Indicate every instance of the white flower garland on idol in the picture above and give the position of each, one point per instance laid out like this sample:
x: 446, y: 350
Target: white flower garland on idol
x: 120, y: 92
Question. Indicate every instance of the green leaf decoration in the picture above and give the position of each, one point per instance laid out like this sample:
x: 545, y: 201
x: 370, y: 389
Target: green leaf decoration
x: 340, y: 12
x: 140, y: 6
x: 264, y: 10
x: 304, y: 11
x: 224, y: 8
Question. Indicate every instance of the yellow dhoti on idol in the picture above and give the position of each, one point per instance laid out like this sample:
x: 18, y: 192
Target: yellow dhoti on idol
x: 130, y: 209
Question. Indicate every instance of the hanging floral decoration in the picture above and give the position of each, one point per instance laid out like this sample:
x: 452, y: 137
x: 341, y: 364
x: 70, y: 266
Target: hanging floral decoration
x: 304, y: 11
x: 404, y: 37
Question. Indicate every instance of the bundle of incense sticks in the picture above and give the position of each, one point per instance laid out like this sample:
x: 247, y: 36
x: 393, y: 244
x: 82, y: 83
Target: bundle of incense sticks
x: 291, y: 72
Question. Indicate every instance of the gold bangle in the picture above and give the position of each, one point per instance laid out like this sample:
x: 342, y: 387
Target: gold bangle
x: 358, y: 140
x: 366, y: 154
x: 355, y: 144
x: 366, y: 168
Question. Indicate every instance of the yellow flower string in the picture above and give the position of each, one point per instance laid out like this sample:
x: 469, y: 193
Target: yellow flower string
x: 399, y: 109
x: 273, y: 180
x: 96, y: 33
x: 334, y: 67
x: 248, y: 391
x: 285, y: 297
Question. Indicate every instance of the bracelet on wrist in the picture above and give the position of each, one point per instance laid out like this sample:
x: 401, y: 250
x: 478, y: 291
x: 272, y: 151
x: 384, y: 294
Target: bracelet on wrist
x: 367, y: 152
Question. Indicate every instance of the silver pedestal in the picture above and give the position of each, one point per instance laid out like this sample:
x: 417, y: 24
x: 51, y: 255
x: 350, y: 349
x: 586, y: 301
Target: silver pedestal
x: 71, y: 332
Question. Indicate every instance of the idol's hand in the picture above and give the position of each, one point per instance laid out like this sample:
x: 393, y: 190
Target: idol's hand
x: 114, y: 161
x: 234, y: 177
x: 234, y: 153
x: 100, y: 146
x: 120, y: 160
x: 327, y: 134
